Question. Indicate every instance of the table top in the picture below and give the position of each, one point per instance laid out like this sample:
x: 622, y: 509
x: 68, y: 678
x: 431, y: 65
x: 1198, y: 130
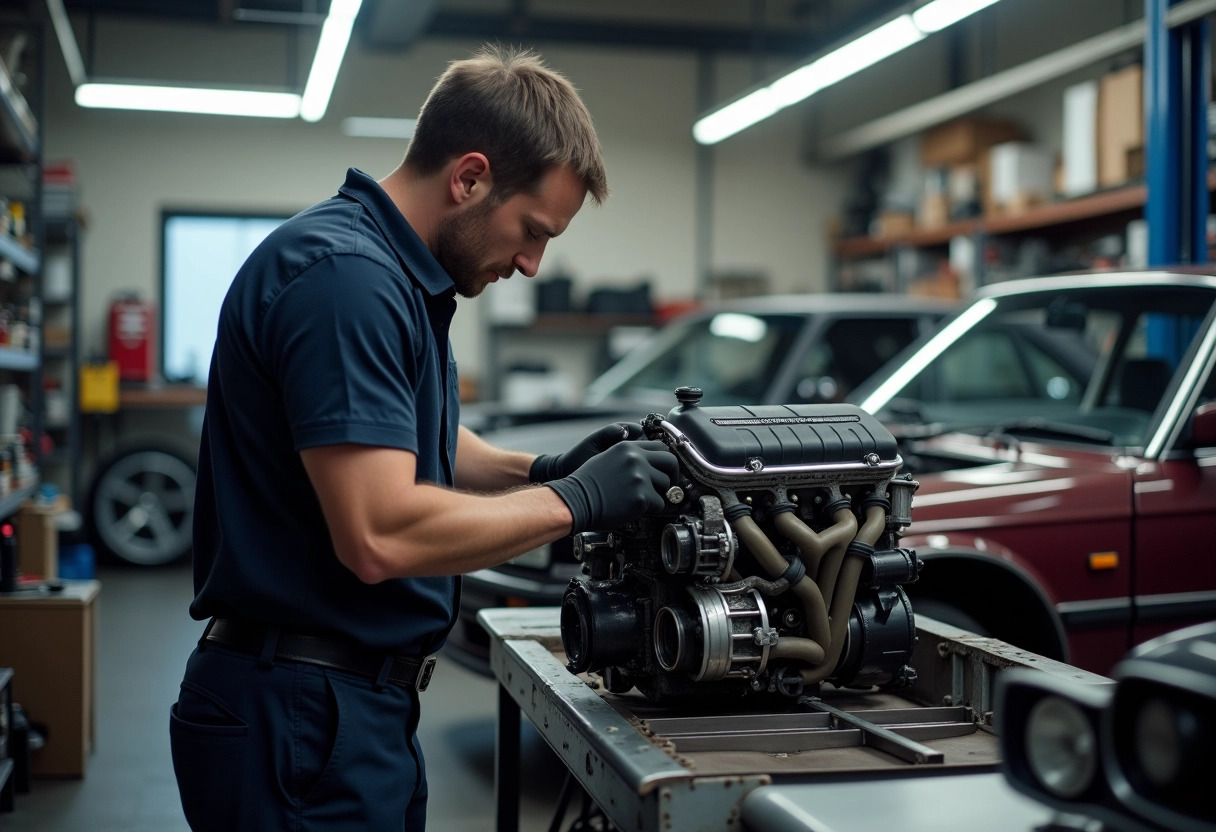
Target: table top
x: 73, y: 594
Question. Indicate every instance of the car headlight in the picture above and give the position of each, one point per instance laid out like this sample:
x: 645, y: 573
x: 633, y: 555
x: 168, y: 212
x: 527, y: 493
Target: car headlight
x: 1163, y: 745
x: 1135, y: 755
x: 1061, y: 747
x: 1163, y: 732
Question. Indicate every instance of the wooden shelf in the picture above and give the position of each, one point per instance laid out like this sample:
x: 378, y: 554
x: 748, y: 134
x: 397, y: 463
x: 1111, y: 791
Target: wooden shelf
x: 173, y: 395
x: 1079, y: 209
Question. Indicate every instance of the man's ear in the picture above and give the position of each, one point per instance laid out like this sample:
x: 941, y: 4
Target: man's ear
x: 470, y: 178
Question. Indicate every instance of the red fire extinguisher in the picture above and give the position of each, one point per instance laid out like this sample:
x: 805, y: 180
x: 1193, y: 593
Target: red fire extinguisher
x: 133, y: 338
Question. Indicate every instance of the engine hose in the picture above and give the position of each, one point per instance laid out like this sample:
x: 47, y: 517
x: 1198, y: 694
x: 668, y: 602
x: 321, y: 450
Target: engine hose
x: 813, y: 545
x: 806, y: 590
x: 845, y: 593
x: 756, y: 582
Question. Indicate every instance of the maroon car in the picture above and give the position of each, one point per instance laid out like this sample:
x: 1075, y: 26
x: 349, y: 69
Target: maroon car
x: 1063, y: 431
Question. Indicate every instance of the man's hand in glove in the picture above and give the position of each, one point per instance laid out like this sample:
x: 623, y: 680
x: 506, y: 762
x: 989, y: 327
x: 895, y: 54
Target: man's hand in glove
x: 618, y: 485
x: 548, y: 467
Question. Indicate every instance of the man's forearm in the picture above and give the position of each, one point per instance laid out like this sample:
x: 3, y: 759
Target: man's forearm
x: 449, y: 532
x: 482, y: 467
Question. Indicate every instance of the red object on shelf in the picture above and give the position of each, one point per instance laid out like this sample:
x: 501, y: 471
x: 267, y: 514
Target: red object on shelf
x: 133, y: 338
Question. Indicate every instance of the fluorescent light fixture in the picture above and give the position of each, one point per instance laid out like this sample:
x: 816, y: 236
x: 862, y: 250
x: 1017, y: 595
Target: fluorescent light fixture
x: 189, y: 100
x: 67, y: 41
x: 366, y: 127
x: 809, y: 79
x: 893, y: 36
x: 331, y: 48
x: 937, y: 15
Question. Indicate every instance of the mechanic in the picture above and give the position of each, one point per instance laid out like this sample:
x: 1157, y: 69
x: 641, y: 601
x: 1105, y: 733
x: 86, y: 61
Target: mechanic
x: 337, y: 496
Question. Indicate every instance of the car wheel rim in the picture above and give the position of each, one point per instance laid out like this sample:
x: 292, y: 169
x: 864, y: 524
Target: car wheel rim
x: 143, y: 507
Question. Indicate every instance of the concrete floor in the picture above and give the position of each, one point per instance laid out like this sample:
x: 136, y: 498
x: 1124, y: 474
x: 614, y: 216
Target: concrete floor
x: 145, y: 637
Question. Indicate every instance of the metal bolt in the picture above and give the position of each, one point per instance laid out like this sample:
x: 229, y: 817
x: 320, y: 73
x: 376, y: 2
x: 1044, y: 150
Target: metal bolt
x: 675, y: 495
x: 756, y: 464
x: 793, y: 498
x: 791, y: 618
x: 871, y: 459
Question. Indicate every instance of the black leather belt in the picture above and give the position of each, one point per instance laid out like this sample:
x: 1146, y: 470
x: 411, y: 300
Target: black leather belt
x: 406, y: 671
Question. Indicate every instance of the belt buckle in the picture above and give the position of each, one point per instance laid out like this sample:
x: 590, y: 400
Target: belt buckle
x: 424, y: 673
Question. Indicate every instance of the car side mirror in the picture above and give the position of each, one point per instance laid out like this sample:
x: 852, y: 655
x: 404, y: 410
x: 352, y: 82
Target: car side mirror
x: 1203, y: 426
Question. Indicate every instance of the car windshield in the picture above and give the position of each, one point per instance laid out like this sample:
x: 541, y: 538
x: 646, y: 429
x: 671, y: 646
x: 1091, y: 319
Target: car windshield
x: 732, y: 356
x: 1089, y: 364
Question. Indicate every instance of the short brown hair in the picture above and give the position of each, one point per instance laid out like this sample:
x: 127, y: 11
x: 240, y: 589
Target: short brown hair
x: 525, y: 117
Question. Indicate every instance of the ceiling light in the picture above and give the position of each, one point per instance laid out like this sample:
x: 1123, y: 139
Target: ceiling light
x: 189, y: 100
x: 335, y: 34
x: 809, y: 79
x: 861, y: 52
x: 379, y: 128
x: 935, y: 16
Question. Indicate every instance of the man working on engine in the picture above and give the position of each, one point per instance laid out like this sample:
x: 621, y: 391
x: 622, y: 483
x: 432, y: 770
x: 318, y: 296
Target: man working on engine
x: 328, y: 523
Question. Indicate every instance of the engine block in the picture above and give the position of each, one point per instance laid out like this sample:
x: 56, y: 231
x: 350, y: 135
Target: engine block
x: 775, y: 566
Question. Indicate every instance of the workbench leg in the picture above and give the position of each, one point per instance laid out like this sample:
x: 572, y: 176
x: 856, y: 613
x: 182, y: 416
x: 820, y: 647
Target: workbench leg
x: 506, y: 762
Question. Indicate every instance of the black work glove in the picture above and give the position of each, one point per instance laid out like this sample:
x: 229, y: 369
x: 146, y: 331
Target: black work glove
x: 548, y: 467
x: 618, y: 485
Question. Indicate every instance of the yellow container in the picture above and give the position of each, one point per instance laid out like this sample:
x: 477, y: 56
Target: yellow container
x: 99, y: 387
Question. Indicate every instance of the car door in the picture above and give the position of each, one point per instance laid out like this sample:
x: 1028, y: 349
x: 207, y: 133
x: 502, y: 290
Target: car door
x: 1175, y: 504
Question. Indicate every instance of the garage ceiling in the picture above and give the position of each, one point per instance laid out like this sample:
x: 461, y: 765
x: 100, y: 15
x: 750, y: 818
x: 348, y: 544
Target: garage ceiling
x: 775, y: 28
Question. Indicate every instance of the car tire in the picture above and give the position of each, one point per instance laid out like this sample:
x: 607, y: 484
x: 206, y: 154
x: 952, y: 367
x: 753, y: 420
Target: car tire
x: 140, y: 508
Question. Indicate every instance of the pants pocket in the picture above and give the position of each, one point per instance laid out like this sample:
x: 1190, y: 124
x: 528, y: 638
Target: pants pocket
x: 209, y: 754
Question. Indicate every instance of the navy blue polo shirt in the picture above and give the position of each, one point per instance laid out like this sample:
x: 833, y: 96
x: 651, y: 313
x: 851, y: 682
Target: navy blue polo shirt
x: 335, y: 330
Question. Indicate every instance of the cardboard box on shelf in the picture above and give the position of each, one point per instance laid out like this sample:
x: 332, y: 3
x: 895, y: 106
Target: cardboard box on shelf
x: 934, y: 211
x: 893, y: 224
x: 1021, y: 176
x: 38, y: 538
x: 964, y: 140
x: 1080, y: 146
x: 1120, y: 124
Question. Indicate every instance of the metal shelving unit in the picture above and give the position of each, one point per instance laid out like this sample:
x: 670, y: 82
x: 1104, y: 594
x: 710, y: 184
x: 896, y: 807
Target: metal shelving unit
x: 21, y: 145
x: 1174, y: 197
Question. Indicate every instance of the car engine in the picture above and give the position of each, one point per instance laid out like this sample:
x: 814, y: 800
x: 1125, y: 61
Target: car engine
x: 774, y: 567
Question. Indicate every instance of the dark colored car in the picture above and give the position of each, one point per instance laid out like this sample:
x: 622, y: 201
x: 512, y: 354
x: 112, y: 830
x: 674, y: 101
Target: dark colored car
x: 1063, y: 432
x: 771, y: 350
x: 1136, y: 755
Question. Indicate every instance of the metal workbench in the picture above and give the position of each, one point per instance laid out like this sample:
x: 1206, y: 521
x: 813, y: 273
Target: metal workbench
x: 926, y: 760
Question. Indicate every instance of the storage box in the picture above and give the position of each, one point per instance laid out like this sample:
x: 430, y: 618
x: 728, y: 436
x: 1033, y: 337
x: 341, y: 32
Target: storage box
x: 1080, y: 145
x: 1120, y: 124
x: 964, y: 140
x: 99, y: 387
x: 50, y: 643
x: 1021, y: 175
x: 38, y: 539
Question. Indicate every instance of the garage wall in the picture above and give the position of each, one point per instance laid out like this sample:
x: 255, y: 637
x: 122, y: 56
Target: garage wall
x: 771, y: 207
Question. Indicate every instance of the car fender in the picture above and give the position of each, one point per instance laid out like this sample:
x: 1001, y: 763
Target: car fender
x: 995, y: 560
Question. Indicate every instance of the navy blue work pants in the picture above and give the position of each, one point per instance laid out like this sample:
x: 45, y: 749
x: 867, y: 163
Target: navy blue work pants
x: 294, y: 747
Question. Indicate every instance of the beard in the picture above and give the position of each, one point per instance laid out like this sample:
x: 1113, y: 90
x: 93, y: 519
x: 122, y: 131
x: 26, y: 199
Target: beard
x: 461, y: 247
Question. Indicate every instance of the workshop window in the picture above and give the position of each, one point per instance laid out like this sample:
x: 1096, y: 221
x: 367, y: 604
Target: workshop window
x: 201, y: 254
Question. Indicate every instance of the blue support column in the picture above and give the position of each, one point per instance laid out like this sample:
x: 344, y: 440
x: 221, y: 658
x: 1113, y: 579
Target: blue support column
x: 1175, y: 103
x: 1199, y: 93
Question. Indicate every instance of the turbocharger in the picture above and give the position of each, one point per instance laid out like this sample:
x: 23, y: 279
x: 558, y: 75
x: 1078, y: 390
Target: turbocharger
x: 775, y: 566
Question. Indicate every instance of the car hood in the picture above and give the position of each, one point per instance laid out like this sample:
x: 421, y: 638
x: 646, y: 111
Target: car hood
x: 993, y: 485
